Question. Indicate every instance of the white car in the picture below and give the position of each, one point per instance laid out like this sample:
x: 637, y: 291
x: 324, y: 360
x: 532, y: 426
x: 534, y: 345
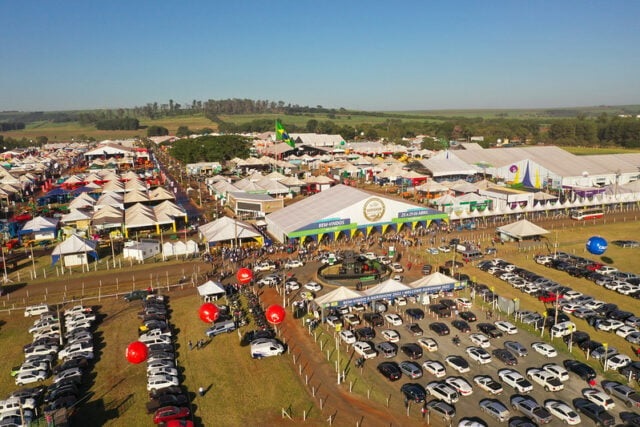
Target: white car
x: 313, y: 286
x: 291, y: 285
x: 444, y: 249
x: 571, y: 295
x: 78, y: 317
x: 458, y: 363
x: 293, y: 263
x: 557, y: 371
x: 74, y: 374
x: 428, y: 344
x: 364, y: 350
x: 163, y: 370
x: 30, y: 377
x: 401, y: 301
x: 460, y: 385
x: 159, y: 382
x: 618, y: 361
x: 30, y: 367
x: 514, y: 379
x: 160, y: 364
x: 599, y: 398
x: 570, y: 308
x: 264, y: 266
x: 481, y: 340
x: 563, y: 412
x: 433, y: 251
x: 396, y: 268
x: 478, y: 354
x: 77, y: 309
x: 546, y: 379
x: 544, y: 349
x: 347, y: 336
x: 390, y: 335
x: 463, y: 303
x: 488, y: 384
x: 495, y: 409
x: 41, y: 349
x: 606, y: 269
x: 609, y: 325
x: 506, y: 327
x: 333, y: 321
x: 351, y: 319
x: 393, y: 319
x: 384, y: 260
x: 441, y: 390
x: 435, y: 368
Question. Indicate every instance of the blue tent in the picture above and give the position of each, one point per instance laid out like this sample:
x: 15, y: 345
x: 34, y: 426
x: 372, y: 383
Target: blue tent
x: 74, y: 245
x: 57, y: 195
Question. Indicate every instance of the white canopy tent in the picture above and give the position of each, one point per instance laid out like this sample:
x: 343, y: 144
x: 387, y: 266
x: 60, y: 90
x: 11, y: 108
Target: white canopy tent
x: 211, y: 290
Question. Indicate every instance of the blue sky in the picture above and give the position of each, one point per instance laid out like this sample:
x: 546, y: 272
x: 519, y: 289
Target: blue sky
x: 372, y: 55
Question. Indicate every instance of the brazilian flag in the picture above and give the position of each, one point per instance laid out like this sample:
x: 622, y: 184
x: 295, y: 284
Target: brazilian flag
x: 282, y: 135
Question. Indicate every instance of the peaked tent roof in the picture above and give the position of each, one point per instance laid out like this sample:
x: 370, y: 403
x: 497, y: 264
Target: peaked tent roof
x: 387, y: 286
x: 434, y: 279
x: 74, y: 245
x: 522, y: 228
x: 340, y: 294
x: 223, y: 229
x: 40, y: 223
x: 210, y: 288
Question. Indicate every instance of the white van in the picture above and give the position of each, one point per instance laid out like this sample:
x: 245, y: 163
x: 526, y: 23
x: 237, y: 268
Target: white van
x: 563, y: 328
x: 266, y: 347
x: 36, y: 310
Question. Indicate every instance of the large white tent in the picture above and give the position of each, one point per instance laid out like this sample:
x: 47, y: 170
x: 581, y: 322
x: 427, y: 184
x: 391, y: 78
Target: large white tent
x: 74, y: 251
x: 227, y: 229
x: 520, y: 230
x: 210, y: 290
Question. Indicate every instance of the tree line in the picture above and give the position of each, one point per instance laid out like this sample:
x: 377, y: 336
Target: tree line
x: 211, y: 149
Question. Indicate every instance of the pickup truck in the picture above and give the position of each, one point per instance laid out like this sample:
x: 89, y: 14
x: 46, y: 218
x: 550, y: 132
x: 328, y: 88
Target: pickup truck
x: 629, y: 396
x: 264, y: 266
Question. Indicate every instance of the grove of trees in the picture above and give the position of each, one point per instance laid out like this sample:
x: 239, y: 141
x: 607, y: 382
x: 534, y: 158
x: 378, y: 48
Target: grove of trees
x: 211, y: 149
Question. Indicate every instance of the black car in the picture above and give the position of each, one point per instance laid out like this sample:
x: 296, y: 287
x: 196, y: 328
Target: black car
x: 576, y: 337
x: 596, y: 412
x: 620, y: 315
x: 166, y: 400
x: 390, y: 370
x: 415, y: 329
x: 461, y: 325
x: 414, y: 392
x: 374, y: 319
x: 427, y: 269
x: 439, y: 328
x: 489, y: 329
x: 256, y: 334
x: 415, y: 313
x: 582, y: 370
x: 412, y: 350
x: 448, y: 302
x: 630, y: 418
x: 154, y: 394
x: 589, y: 345
x: 469, y: 316
x: 505, y: 356
x: 440, y: 310
x: 78, y: 362
x: 632, y: 369
x: 366, y: 333
x: 605, y: 309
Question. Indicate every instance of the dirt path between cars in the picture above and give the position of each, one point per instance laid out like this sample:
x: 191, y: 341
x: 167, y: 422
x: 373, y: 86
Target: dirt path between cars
x: 345, y: 408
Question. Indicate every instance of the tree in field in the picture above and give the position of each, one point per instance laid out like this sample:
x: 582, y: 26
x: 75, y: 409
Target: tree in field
x: 157, y: 131
x: 312, y: 126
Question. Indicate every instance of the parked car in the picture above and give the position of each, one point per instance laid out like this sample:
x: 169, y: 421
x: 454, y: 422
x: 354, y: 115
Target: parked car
x: 599, y: 398
x: 390, y: 370
x: 517, y: 348
x: 505, y: 356
x: 596, y: 412
x: 581, y: 369
x: 441, y: 409
x: 414, y: 392
x: 562, y: 411
x: 546, y: 379
x: 169, y: 413
x: 458, y: 363
x: 495, y: 409
x: 515, y: 380
x: 488, y: 384
x: 528, y: 406
x: 434, y: 368
x: 544, y: 349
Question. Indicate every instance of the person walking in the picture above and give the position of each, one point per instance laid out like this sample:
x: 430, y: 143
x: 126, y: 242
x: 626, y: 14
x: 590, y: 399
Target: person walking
x: 190, y: 345
x: 201, y: 391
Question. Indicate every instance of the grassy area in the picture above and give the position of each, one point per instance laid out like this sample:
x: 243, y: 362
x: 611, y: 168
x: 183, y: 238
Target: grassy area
x: 583, y: 151
x: 247, y: 389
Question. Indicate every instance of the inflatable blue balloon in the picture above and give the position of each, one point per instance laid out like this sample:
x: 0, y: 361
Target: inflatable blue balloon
x: 596, y: 245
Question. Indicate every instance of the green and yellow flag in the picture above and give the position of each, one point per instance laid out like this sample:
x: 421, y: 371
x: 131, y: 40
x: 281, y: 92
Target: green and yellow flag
x: 282, y: 135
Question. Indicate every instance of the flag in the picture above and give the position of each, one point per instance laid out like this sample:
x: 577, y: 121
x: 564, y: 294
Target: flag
x: 282, y: 135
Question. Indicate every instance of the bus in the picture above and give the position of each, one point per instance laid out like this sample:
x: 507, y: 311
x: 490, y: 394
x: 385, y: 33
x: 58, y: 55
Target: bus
x: 586, y: 214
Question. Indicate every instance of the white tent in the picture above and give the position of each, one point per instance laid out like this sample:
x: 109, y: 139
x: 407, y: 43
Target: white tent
x: 210, y: 290
x: 386, y: 287
x: 41, y: 227
x: 74, y: 251
x: 179, y: 248
x: 340, y: 294
x: 436, y: 279
x: 82, y: 201
x: 521, y: 229
x: 227, y: 229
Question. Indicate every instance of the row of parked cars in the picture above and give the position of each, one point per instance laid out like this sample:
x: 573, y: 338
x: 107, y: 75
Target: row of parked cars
x: 62, y: 348
x: 599, y: 314
x: 167, y: 401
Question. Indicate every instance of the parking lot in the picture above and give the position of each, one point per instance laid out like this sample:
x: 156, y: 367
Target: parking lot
x: 468, y: 405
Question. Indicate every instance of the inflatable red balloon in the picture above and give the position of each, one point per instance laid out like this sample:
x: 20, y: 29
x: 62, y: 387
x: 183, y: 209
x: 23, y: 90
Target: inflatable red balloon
x: 137, y: 352
x: 275, y: 314
x: 209, y: 312
x: 244, y: 275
